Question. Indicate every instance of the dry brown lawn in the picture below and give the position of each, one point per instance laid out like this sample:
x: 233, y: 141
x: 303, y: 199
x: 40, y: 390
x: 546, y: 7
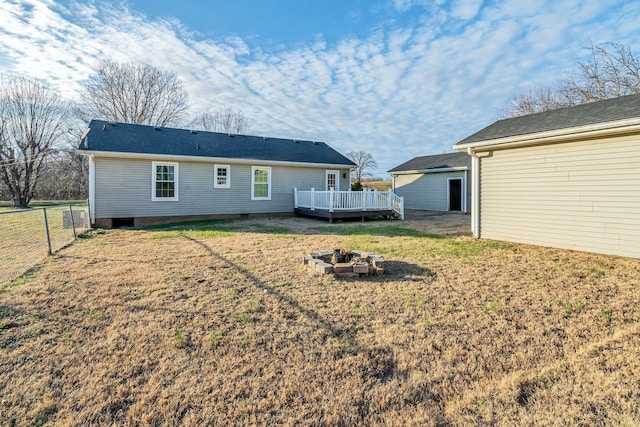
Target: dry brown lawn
x: 225, y: 326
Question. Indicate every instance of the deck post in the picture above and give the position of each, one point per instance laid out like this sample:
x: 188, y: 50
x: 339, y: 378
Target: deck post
x: 389, y: 201
x: 365, y: 197
x: 313, y: 199
x: 331, y: 199
x: 295, y: 197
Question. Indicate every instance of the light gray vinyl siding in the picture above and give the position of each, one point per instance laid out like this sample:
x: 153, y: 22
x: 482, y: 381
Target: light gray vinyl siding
x: 428, y: 191
x: 577, y: 195
x: 123, y: 189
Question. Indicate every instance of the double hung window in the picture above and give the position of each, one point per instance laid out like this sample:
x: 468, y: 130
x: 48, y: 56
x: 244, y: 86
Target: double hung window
x: 164, y: 182
x: 260, y: 183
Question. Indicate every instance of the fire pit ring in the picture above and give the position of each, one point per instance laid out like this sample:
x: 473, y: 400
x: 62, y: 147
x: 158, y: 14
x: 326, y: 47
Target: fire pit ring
x: 344, y: 263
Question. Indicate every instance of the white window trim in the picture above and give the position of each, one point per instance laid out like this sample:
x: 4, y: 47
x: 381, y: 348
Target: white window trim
x: 326, y: 179
x: 253, y: 178
x: 215, y: 176
x: 153, y: 182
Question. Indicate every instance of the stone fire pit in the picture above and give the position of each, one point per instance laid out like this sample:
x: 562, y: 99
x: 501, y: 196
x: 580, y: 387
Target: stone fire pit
x: 345, y: 263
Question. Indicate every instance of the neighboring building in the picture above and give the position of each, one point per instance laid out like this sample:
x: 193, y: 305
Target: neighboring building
x: 568, y: 178
x: 141, y: 175
x: 437, y: 183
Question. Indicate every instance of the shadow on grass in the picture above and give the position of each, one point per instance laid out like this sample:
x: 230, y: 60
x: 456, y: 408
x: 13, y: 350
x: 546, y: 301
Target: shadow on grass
x: 326, y: 324
x: 381, y: 363
x: 385, y: 231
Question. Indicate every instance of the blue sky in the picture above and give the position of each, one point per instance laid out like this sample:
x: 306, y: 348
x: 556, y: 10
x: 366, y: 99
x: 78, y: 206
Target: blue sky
x: 397, y: 78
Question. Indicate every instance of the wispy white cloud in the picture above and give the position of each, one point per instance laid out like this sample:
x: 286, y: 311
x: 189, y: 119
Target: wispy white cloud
x: 465, y: 9
x: 403, y: 91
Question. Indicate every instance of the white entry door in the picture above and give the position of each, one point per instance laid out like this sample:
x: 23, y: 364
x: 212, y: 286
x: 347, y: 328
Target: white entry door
x: 331, y: 180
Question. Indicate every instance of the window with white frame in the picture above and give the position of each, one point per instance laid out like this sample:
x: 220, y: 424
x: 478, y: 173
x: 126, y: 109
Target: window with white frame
x: 260, y: 183
x: 222, y: 176
x: 164, y: 182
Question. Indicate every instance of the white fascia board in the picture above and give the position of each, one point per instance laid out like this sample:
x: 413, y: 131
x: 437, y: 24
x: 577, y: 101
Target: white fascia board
x: 202, y: 159
x: 420, y: 171
x: 620, y: 127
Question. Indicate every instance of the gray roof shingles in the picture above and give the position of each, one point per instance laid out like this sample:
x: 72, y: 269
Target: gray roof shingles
x: 435, y: 162
x: 609, y: 110
x: 129, y: 138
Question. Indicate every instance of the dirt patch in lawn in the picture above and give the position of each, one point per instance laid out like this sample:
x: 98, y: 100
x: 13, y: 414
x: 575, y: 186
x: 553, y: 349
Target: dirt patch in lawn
x: 183, y: 326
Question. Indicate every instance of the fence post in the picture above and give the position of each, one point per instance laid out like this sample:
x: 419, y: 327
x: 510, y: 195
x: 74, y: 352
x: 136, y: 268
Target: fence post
x: 46, y: 227
x: 295, y: 197
x: 73, y: 224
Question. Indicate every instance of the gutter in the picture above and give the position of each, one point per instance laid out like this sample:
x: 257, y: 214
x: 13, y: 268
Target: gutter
x: 617, y: 128
x: 92, y: 189
x: 203, y: 159
x: 417, y: 171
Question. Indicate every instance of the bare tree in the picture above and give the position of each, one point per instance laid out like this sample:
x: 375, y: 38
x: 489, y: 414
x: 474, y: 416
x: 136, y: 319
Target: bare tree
x: 132, y: 93
x: 608, y: 71
x: 226, y: 120
x: 32, y: 120
x: 364, y: 163
x: 530, y: 101
x: 64, y: 177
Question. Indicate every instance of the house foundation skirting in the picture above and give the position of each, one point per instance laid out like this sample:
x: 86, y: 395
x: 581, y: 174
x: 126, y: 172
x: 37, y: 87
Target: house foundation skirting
x: 157, y: 220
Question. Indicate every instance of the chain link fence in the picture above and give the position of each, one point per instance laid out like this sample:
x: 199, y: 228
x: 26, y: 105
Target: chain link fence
x: 28, y: 236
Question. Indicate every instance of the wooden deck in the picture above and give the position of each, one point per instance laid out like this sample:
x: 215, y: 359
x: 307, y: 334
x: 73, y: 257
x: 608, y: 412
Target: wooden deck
x: 348, y: 204
x: 344, y: 214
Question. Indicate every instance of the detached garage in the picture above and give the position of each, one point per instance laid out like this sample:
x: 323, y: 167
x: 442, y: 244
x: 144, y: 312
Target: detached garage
x: 438, y: 183
x: 567, y: 178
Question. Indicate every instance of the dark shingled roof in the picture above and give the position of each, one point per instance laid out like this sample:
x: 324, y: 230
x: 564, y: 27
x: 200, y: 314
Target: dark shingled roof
x: 128, y: 138
x: 435, y: 162
x: 609, y: 110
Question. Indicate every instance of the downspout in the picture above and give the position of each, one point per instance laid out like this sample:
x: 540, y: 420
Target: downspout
x: 475, y: 192
x: 92, y: 189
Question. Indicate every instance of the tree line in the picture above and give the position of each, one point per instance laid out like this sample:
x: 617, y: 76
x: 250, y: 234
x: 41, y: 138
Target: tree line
x: 609, y: 70
x: 39, y: 130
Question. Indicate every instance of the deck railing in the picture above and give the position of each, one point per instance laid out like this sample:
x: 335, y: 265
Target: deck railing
x: 349, y: 200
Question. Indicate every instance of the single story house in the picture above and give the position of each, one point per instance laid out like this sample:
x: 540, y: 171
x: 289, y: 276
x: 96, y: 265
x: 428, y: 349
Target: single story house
x: 567, y: 178
x: 438, y: 183
x: 141, y: 175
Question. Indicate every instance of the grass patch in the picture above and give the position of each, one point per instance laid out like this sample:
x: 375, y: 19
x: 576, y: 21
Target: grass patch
x: 492, y: 306
x: 216, y: 228
x: 417, y: 247
x: 363, y: 230
x: 393, y: 240
x: 204, y: 234
x: 214, y: 224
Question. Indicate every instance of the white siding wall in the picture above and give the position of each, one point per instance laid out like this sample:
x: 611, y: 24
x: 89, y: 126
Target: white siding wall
x: 578, y: 195
x: 428, y: 191
x: 123, y: 189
